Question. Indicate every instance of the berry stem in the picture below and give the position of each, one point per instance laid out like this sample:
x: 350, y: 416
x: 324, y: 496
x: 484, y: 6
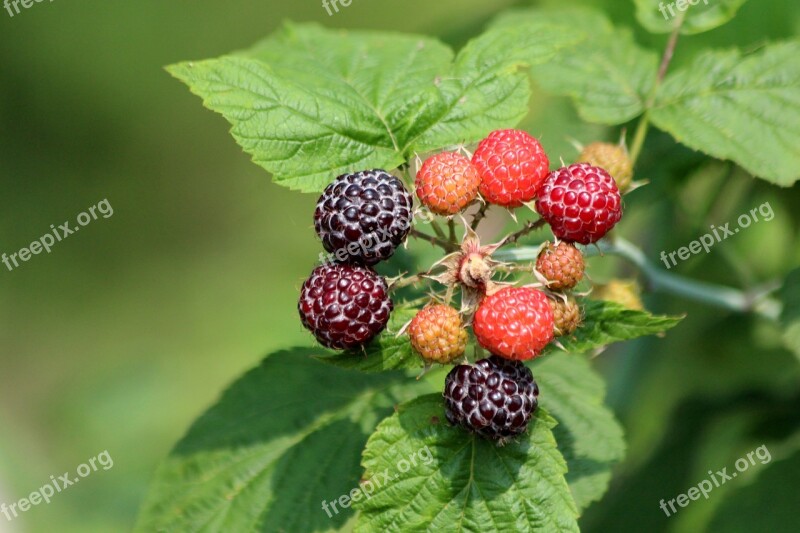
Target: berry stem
x: 527, y: 228
x: 756, y: 300
x: 436, y: 241
x: 666, y: 59
x: 451, y: 226
x: 410, y: 280
x: 479, y: 216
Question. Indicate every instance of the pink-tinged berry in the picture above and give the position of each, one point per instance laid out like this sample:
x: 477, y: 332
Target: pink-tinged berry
x: 447, y: 183
x: 512, y: 166
x: 515, y: 323
x: 580, y: 202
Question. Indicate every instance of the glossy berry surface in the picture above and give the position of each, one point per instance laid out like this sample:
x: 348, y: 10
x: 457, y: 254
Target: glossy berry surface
x: 494, y: 398
x: 561, y: 265
x: 344, y: 306
x: 580, y: 202
x: 512, y: 166
x: 446, y: 183
x: 437, y: 333
x: 363, y: 217
x: 515, y: 323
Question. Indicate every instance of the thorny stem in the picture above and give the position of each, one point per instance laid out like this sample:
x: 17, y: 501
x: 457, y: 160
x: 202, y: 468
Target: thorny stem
x: 451, y: 226
x: 666, y: 59
x: 411, y: 280
x: 444, y: 244
x: 527, y: 228
x: 479, y: 216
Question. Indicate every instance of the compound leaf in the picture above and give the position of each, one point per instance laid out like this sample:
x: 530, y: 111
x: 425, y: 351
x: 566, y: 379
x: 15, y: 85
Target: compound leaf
x: 421, y: 474
x: 588, y: 435
x: 607, y: 75
x: 282, y: 439
x: 608, y: 322
x: 309, y: 103
x: 745, y: 108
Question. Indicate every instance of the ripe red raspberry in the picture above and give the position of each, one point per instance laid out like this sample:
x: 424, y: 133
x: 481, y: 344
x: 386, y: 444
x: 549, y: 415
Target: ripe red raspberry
x: 363, y: 217
x: 515, y: 323
x: 566, y: 316
x: 561, y: 265
x: 512, y: 166
x: 344, y: 306
x: 580, y: 202
x: 447, y: 183
x: 437, y: 334
x: 613, y: 158
x: 494, y: 398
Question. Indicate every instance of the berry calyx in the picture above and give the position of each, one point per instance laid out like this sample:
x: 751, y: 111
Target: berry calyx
x: 561, y: 265
x: 512, y: 166
x: 447, y: 182
x: 515, y: 323
x: 437, y: 333
x: 363, y: 217
x: 580, y: 202
x: 566, y: 316
x: 613, y: 158
x: 494, y: 398
x: 344, y: 306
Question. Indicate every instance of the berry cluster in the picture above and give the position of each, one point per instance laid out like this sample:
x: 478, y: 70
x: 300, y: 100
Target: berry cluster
x: 362, y: 218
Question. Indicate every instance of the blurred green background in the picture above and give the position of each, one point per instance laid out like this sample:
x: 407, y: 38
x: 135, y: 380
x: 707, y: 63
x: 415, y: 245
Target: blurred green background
x: 128, y: 330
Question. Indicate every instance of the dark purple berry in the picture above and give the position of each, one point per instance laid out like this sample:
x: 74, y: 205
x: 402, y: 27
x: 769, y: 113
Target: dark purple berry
x: 344, y: 306
x: 363, y: 217
x: 494, y: 398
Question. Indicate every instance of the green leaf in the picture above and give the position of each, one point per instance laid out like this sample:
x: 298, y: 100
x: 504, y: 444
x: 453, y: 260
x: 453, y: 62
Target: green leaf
x: 660, y: 16
x: 488, y: 85
x: 745, y: 108
x: 790, y: 316
x: 587, y: 433
x: 282, y: 439
x: 775, y: 490
x: 309, y: 103
x: 608, y: 322
x: 424, y: 475
x: 607, y: 75
x: 386, y: 352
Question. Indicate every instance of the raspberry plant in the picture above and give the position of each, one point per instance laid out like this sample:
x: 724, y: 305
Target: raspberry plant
x: 443, y: 357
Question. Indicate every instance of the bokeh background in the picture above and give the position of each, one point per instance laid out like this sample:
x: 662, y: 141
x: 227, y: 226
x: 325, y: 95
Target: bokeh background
x: 130, y: 329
